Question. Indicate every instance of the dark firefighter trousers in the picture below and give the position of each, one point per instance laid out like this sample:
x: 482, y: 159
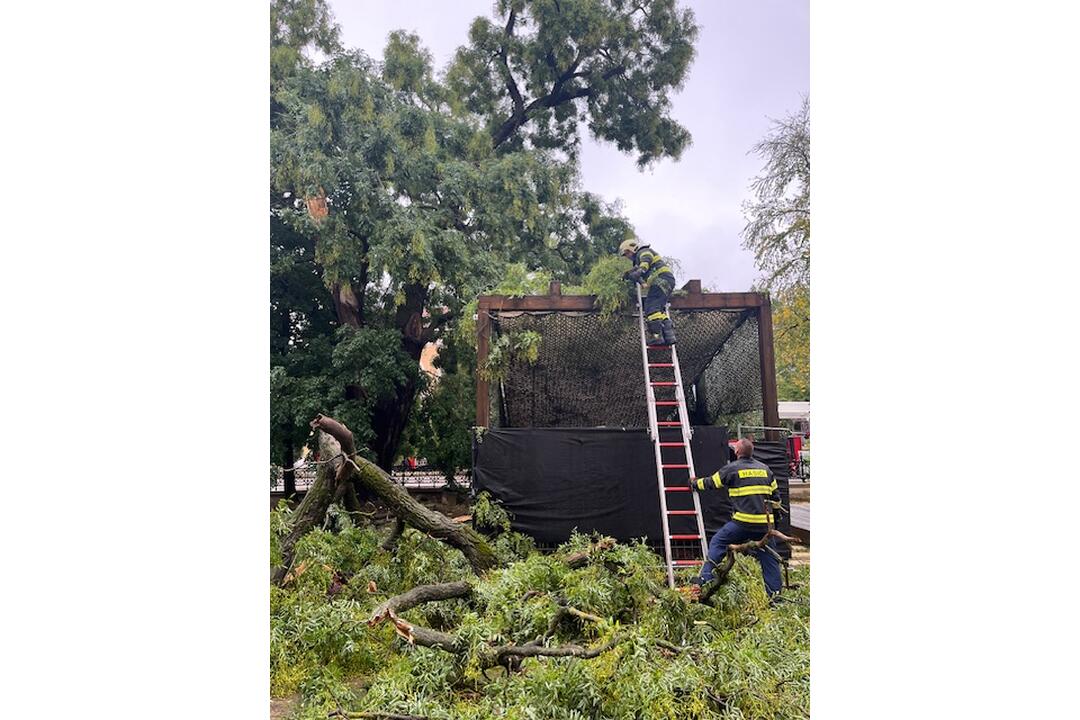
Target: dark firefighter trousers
x: 734, y: 533
x: 660, y: 289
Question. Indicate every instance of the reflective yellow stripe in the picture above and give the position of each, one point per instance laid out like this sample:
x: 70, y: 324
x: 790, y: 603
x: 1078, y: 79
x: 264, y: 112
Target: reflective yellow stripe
x: 658, y: 315
x: 748, y: 517
x: 716, y: 480
x: 773, y: 486
x: 750, y: 490
x: 701, y: 483
x: 753, y: 472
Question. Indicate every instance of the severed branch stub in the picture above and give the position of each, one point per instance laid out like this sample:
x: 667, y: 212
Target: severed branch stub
x: 580, y: 559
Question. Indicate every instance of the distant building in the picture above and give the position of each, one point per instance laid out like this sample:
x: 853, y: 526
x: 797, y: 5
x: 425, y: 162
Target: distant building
x: 797, y: 413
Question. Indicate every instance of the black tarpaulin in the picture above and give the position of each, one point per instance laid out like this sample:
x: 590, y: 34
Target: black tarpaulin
x: 555, y: 480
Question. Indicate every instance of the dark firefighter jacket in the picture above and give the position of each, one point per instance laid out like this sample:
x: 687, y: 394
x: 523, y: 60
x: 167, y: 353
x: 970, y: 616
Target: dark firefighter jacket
x: 749, y: 484
x: 651, y: 263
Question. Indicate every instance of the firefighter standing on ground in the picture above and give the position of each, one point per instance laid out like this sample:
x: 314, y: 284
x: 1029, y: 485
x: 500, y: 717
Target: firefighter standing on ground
x: 752, y: 489
x: 650, y: 268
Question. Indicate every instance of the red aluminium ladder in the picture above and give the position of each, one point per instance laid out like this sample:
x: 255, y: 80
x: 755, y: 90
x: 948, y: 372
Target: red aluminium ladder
x: 671, y: 439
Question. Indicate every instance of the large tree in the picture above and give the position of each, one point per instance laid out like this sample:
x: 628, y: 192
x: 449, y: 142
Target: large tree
x: 778, y: 218
x: 778, y: 233
x: 791, y: 341
x: 412, y: 193
x: 548, y: 65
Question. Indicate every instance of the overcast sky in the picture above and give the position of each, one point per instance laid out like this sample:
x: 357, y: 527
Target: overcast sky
x: 752, y: 64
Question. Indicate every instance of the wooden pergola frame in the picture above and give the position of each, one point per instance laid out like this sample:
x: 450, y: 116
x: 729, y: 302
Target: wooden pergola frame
x: 756, y: 303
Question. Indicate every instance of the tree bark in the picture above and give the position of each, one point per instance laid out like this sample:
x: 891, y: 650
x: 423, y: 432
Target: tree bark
x: 346, y: 305
x: 419, y: 595
x: 391, y: 414
x: 490, y: 656
x: 371, y: 477
x: 395, y: 535
x: 317, y: 499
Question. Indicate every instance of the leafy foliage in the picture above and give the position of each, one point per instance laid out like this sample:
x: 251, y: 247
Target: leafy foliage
x: 548, y: 66
x: 439, y: 429
x: 778, y: 220
x: 605, y: 281
x: 791, y: 339
x: 398, y: 194
x: 741, y: 658
x: 778, y: 232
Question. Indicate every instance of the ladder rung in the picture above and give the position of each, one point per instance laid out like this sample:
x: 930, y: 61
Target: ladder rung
x: 684, y: 537
x: 674, y: 466
x: 686, y: 562
x: 661, y: 364
x: 682, y: 512
x: 670, y: 403
x: 667, y: 383
x: 669, y: 423
x: 672, y: 444
x: 677, y: 489
x: 658, y: 347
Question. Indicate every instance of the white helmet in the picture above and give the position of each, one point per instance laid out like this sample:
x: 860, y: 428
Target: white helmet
x: 629, y: 245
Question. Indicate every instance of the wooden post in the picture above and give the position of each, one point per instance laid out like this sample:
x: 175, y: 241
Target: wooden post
x: 555, y: 288
x: 483, y: 340
x: 767, y: 362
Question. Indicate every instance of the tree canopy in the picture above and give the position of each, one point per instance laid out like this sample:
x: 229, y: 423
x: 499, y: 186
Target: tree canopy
x: 791, y: 341
x: 778, y: 233
x: 778, y: 219
x: 398, y: 195
x: 549, y: 65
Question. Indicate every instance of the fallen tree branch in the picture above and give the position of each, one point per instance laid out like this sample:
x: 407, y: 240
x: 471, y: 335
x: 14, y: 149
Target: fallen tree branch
x: 374, y: 479
x: 487, y: 656
x: 523, y: 651
x: 583, y: 615
x: 751, y: 545
x: 373, y: 715
x: 419, y: 595
x: 312, y: 509
x: 723, y: 569
x: 395, y: 535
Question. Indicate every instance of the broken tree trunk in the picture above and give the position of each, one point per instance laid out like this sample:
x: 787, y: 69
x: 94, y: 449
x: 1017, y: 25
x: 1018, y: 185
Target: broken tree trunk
x: 371, y: 477
x: 312, y: 509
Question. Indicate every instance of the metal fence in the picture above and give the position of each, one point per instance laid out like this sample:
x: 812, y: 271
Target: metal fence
x: 420, y: 477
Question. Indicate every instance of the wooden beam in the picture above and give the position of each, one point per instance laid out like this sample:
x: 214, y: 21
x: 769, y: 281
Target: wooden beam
x: 767, y: 363
x: 586, y: 303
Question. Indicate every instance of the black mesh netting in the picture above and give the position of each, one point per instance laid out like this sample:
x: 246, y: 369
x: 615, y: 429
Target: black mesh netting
x: 589, y: 370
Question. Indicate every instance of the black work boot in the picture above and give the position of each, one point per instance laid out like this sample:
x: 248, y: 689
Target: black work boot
x: 654, y: 332
x: 668, y: 331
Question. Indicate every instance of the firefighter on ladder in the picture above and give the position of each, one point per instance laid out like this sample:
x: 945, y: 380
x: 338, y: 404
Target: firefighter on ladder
x: 753, y: 492
x: 650, y: 269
